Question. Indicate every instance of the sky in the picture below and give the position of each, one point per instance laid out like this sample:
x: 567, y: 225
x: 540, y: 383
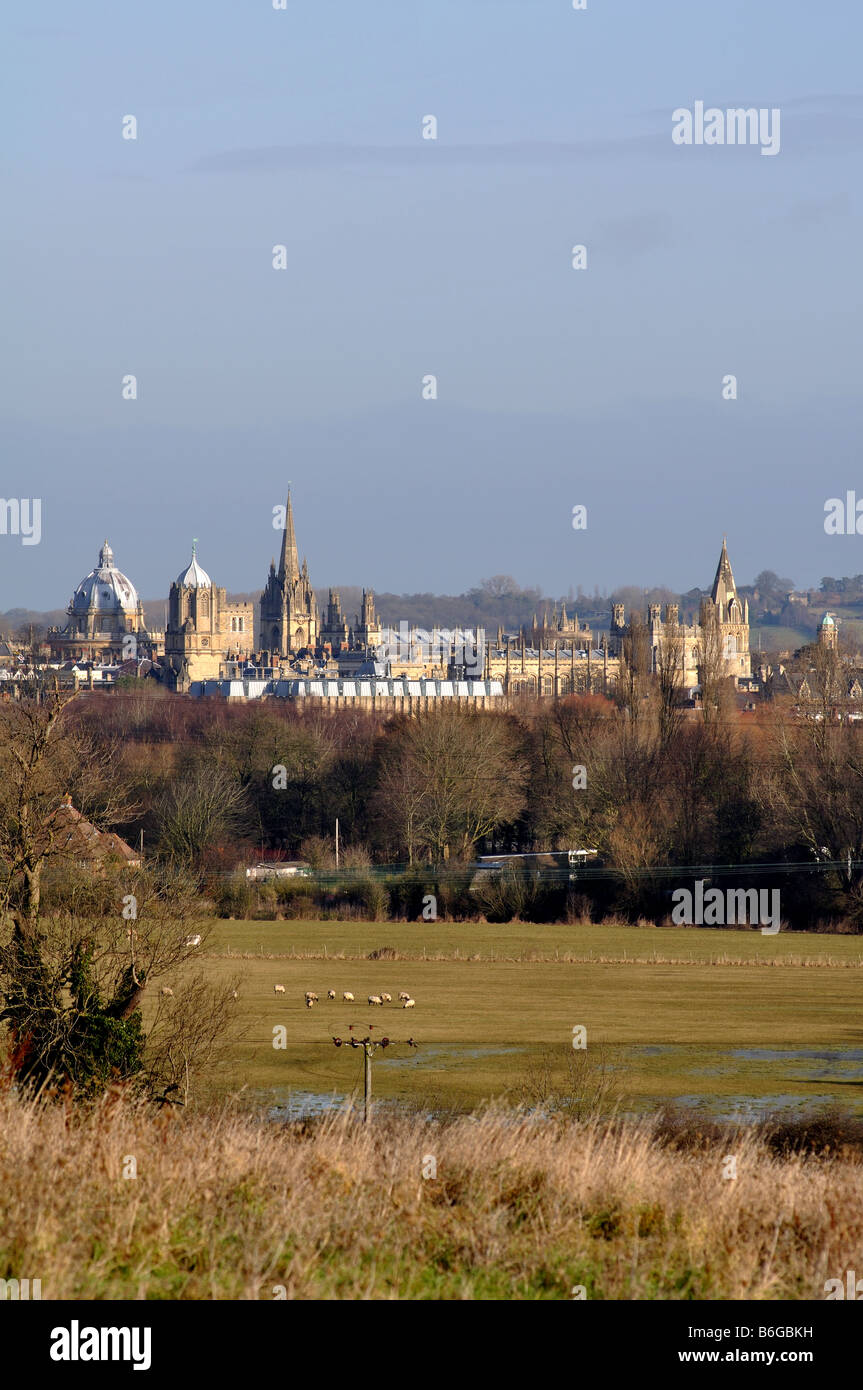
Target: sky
x: 601, y: 387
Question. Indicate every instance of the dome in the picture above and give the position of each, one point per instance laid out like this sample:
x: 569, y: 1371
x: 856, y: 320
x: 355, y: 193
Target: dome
x: 193, y: 576
x: 106, y: 589
x: 828, y: 620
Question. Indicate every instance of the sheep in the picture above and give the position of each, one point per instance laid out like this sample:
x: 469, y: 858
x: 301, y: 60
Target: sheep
x: 166, y: 989
x: 311, y: 995
x: 235, y: 994
x: 278, y: 989
x: 331, y: 994
x: 375, y: 999
x: 403, y: 996
x: 409, y: 1004
x: 193, y: 940
x: 347, y: 997
x: 310, y: 1003
x: 387, y: 998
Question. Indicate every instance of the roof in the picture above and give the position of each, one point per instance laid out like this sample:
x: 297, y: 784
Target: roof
x: 105, y: 588
x: 193, y: 577
x: 76, y: 836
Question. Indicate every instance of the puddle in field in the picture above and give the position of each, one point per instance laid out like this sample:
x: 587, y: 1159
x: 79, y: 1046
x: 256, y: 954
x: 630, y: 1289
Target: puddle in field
x: 822, y: 1077
x: 446, y: 1050
x: 302, y: 1105
x: 809, y: 1069
x: 749, y: 1109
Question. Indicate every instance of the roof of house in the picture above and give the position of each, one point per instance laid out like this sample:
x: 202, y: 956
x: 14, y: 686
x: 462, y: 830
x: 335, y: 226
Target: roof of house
x: 75, y: 835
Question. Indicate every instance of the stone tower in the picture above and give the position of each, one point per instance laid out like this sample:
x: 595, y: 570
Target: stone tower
x: 288, y: 607
x: 732, y: 617
x: 828, y: 633
x: 334, y: 631
x: 204, y: 629
x: 367, y: 632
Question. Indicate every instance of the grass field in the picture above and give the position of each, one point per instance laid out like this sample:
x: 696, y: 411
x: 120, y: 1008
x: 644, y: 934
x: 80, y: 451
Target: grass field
x: 485, y: 1206
x: 718, y: 1019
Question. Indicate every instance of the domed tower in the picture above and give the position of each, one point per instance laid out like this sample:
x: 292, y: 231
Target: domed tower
x: 106, y: 617
x: 204, y: 630
x: 828, y: 632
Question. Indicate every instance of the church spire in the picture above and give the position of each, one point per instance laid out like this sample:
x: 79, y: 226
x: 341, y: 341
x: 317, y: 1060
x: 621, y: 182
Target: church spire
x: 724, y: 588
x: 289, y: 565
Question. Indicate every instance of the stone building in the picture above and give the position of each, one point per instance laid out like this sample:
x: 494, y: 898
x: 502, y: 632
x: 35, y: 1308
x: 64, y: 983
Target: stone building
x: 723, y: 613
x: 559, y: 630
x: 288, y: 607
x: 552, y: 672
x: 204, y: 631
x: 106, y: 618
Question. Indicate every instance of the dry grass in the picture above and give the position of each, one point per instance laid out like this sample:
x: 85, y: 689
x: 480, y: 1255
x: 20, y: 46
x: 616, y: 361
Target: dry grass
x: 227, y: 1206
x: 535, y: 957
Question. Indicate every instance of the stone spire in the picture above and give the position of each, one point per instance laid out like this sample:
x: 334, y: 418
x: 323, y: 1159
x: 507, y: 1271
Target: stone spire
x: 724, y: 588
x: 289, y: 565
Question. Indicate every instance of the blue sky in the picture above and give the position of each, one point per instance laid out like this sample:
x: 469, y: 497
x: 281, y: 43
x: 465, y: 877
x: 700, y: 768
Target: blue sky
x: 405, y: 257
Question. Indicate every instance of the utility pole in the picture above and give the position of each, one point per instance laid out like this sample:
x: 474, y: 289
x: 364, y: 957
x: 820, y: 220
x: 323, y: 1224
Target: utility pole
x: 337, y: 842
x: 368, y: 1044
x: 367, y: 1081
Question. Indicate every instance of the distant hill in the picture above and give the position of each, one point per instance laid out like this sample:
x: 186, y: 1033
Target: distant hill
x: 500, y: 602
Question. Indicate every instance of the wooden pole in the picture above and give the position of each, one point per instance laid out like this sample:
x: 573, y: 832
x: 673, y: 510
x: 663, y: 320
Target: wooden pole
x: 367, y: 1078
x: 337, y: 842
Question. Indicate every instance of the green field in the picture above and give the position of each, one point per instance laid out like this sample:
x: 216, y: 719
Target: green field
x: 669, y: 1009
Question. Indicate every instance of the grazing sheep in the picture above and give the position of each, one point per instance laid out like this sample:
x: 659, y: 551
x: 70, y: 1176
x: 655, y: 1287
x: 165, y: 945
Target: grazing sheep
x: 409, y: 1004
x: 278, y: 989
x: 310, y: 1003
x: 193, y: 940
x: 347, y: 997
x: 167, y: 990
x: 311, y: 995
x: 331, y: 994
x: 375, y: 999
x: 387, y: 998
x: 234, y: 994
x: 403, y: 996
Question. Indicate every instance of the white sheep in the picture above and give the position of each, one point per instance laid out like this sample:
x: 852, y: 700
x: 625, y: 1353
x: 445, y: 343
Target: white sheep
x: 166, y: 989
x: 387, y: 998
x: 310, y: 1003
x: 331, y: 994
x: 409, y: 1004
x: 278, y: 989
x: 311, y: 995
x: 375, y: 999
x: 193, y: 940
x: 347, y: 997
x: 403, y: 996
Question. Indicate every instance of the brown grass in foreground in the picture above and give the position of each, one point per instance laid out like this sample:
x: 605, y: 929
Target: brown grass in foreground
x: 226, y: 1206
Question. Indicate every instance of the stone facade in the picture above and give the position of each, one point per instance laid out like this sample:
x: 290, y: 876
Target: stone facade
x: 106, y: 618
x: 204, y: 630
x: 288, y: 607
x: 724, y: 612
